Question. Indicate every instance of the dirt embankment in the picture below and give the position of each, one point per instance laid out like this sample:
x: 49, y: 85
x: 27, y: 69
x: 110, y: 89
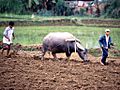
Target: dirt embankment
x: 67, y: 22
x: 101, y: 23
x: 59, y: 22
x: 24, y: 72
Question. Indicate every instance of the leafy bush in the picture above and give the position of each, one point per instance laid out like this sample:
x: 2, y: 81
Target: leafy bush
x: 14, y: 6
x: 60, y: 8
x: 44, y: 12
x: 82, y: 12
x: 112, y: 9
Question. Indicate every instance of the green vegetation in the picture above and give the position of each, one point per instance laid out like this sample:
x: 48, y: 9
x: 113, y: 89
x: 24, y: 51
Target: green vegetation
x: 41, y: 7
x: 14, y: 17
x: 89, y: 36
x: 58, y: 8
x: 14, y: 6
x: 112, y: 8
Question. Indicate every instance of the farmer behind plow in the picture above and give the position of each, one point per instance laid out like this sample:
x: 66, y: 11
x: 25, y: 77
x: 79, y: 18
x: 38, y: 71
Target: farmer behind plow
x: 105, y: 42
x: 8, y: 35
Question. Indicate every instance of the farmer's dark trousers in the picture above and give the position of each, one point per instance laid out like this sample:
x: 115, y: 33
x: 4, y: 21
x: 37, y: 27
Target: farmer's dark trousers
x: 104, y: 55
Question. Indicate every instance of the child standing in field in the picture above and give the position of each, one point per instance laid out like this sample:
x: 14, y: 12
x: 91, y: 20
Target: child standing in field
x: 8, y: 36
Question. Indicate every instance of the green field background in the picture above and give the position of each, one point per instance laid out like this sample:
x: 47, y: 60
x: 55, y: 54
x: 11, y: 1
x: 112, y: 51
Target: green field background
x: 89, y: 36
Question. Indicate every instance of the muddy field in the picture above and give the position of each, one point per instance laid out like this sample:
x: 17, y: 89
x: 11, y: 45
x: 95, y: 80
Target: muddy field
x: 25, y: 72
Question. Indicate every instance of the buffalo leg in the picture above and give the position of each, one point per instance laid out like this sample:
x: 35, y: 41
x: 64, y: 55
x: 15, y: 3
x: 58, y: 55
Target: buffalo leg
x: 43, y: 54
x: 68, y: 55
x: 2, y: 51
x: 54, y: 55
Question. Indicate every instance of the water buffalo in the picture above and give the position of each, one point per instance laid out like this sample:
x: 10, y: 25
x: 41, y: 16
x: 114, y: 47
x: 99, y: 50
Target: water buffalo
x: 63, y: 42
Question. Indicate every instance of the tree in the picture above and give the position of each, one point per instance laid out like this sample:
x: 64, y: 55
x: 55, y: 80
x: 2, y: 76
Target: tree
x: 112, y: 8
x: 14, y: 6
x: 10, y: 6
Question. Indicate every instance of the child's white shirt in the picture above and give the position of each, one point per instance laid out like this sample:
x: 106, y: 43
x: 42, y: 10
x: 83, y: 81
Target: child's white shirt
x: 9, y: 33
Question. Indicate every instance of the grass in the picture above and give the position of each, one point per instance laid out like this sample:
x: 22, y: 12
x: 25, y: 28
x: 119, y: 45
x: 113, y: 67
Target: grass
x: 89, y: 36
x: 9, y: 17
